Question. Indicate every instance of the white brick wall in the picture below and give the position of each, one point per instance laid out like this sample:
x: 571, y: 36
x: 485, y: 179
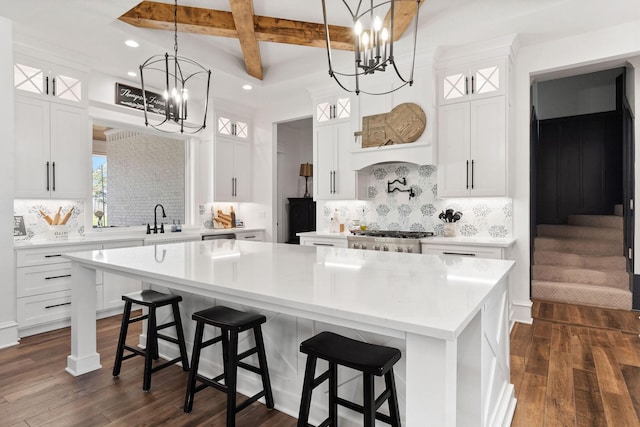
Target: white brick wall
x: 144, y: 170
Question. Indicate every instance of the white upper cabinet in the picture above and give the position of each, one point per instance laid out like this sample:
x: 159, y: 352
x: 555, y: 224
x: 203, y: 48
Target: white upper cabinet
x: 333, y: 109
x: 472, y: 129
x: 53, y: 150
x: 474, y: 81
x: 37, y: 78
x: 232, y: 127
x: 232, y: 169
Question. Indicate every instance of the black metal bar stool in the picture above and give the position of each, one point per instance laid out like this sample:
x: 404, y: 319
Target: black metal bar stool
x: 367, y: 358
x: 231, y: 322
x: 152, y: 300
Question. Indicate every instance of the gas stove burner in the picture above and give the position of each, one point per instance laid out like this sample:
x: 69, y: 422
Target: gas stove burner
x: 395, y: 234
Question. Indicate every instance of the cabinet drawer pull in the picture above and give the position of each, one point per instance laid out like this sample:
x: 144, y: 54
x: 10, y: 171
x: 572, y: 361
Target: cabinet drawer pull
x: 57, y: 277
x: 58, y: 305
x: 52, y: 256
x: 458, y: 253
x: 322, y: 244
x: 249, y: 237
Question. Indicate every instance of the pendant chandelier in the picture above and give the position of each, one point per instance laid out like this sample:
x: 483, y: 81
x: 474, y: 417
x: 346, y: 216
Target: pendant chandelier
x: 182, y: 78
x: 373, y: 44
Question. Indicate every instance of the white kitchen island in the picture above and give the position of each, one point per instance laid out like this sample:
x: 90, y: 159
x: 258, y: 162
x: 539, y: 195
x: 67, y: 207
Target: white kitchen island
x: 448, y: 315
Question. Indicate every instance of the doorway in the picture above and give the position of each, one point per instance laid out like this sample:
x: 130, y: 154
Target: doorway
x: 294, y: 147
x: 581, y: 176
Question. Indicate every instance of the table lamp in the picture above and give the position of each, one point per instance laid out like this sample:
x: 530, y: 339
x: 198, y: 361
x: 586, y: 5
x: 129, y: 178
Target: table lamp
x: 306, y: 170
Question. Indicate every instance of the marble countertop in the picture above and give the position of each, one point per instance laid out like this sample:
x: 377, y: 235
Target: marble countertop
x: 129, y: 234
x: 423, y: 294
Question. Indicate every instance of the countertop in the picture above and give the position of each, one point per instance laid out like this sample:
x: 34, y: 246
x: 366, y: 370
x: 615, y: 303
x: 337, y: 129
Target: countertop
x: 459, y: 240
x: 417, y: 293
x: 130, y: 234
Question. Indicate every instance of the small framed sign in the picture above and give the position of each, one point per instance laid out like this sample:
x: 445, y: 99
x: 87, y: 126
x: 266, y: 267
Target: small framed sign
x: 18, y: 226
x: 131, y: 97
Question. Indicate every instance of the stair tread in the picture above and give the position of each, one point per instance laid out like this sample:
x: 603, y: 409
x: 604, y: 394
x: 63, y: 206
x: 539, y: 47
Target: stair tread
x: 574, y: 268
x: 552, y: 252
x: 585, y: 285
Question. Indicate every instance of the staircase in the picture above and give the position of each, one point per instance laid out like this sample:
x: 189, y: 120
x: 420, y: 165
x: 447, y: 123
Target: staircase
x: 582, y: 262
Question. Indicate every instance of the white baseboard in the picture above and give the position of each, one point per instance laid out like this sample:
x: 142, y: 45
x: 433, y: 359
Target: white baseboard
x: 9, y: 334
x: 520, y: 311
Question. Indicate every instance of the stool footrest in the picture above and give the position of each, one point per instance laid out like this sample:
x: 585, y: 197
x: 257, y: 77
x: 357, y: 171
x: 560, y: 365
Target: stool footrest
x: 166, y: 364
x: 249, y: 401
x: 249, y: 367
x: 135, y: 351
x: 212, y: 341
x: 168, y: 338
x: 321, y: 378
x: 247, y: 353
x: 359, y: 408
x: 165, y: 325
x: 139, y: 318
x: 212, y: 383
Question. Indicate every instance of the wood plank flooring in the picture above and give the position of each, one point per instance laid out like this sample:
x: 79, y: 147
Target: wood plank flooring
x: 575, y: 366
x: 35, y: 390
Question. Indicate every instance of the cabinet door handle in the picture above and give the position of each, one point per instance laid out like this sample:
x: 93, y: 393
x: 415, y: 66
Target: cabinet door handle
x: 467, y: 174
x: 53, y: 173
x: 473, y: 86
x: 47, y: 174
x: 458, y: 253
x: 54, y: 86
x: 472, y: 169
x: 235, y: 187
x: 232, y: 187
x: 46, y: 85
x: 52, y: 256
x: 322, y: 244
x: 58, y: 305
x: 57, y: 277
x: 466, y: 85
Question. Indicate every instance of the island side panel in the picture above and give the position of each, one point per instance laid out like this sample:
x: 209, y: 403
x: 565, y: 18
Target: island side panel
x: 84, y: 356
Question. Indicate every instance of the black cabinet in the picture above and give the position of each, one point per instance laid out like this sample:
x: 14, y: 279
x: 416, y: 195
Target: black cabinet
x: 302, y: 217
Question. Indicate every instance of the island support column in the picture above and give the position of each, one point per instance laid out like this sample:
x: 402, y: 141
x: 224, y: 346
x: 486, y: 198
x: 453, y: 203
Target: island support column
x: 84, y: 356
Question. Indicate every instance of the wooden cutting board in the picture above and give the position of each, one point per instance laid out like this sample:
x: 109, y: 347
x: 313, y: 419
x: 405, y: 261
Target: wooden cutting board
x: 403, y: 124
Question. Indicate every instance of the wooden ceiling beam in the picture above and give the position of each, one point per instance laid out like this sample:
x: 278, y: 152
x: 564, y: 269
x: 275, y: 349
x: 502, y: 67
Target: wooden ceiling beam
x: 405, y: 11
x: 154, y: 15
x: 243, y: 17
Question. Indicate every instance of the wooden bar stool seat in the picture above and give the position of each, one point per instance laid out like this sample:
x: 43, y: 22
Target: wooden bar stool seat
x: 152, y: 300
x: 370, y: 359
x: 231, y: 322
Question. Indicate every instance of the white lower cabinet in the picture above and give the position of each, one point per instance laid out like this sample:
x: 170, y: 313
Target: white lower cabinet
x: 463, y: 250
x: 43, y: 287
x: 256, y: 236
x: 338, y: 241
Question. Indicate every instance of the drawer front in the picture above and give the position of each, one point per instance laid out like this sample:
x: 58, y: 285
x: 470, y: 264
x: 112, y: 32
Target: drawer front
x: 50, y: 255
x: 257, y: 236
x: 44, y: 308
x: 327, y: 241
x: 472, y: 251
x: 43, y: 279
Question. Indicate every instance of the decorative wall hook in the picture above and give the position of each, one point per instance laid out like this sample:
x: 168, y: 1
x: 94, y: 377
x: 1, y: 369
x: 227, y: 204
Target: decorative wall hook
x: 403, y: 181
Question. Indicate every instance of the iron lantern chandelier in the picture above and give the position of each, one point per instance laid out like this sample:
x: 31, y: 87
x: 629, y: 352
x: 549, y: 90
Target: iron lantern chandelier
x: 181, y: 77
x: 373, y: 43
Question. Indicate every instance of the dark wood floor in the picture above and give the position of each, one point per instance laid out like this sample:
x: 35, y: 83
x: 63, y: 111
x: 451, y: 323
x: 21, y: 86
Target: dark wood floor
x: 575, y: 366
x: 36, y: 391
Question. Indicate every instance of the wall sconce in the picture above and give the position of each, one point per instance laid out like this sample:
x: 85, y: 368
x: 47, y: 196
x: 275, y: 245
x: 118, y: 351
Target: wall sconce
x: 306, y: 170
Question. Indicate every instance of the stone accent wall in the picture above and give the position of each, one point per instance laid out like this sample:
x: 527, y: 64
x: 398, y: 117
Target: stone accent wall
x: 144, y: 170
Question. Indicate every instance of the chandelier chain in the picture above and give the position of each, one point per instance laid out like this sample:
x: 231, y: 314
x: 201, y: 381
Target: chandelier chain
x: 175, y: 28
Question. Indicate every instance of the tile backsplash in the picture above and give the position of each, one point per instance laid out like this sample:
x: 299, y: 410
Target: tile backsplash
x: 35, y: 225
x: 482, y: 217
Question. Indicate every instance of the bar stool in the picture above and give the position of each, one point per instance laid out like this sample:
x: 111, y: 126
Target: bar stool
x: 152, y: 300
x: 367, y: 358
x: 231, y: 322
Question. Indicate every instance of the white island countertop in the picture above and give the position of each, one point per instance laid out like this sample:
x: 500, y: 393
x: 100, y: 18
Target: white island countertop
x: 447, y: 314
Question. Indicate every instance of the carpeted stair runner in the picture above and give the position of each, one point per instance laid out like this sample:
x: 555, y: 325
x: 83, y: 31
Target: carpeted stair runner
x: 582, y: 263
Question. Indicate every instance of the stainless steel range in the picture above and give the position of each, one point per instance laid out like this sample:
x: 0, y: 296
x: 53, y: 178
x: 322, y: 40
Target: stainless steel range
x: 390, y: 241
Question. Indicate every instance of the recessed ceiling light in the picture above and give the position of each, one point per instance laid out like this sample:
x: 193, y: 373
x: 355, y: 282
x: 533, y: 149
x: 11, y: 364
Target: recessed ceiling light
x: 132, y: 73
x: 247, y: 87
x: 132, y: 43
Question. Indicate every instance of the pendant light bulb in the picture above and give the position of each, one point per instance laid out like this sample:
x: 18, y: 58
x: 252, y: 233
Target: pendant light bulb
x: 384, y: 35
x: 185, y: 94
x: 357, y: 29
x: 365, y: 40
x: 377, y: 24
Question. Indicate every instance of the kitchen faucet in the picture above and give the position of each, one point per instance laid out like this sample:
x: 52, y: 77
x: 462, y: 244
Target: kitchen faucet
x: 155, y: 220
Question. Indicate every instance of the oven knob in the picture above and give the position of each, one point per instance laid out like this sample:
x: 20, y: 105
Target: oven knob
x: 356, y: 246
x: 398, y: 249
x: 409, y: 250
x: 376, y: 248
x: 385, y: 248
x: 363, y: 246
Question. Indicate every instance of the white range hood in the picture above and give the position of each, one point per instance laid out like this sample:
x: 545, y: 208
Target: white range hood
x: 418, y: 152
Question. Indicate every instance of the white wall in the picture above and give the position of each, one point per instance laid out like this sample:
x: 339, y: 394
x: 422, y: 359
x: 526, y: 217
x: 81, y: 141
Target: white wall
x: 608, y: 48
x: 8, y: 325
x: 577, y: 95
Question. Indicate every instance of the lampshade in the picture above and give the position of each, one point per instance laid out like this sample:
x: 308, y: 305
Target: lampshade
x: 306, y: 170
